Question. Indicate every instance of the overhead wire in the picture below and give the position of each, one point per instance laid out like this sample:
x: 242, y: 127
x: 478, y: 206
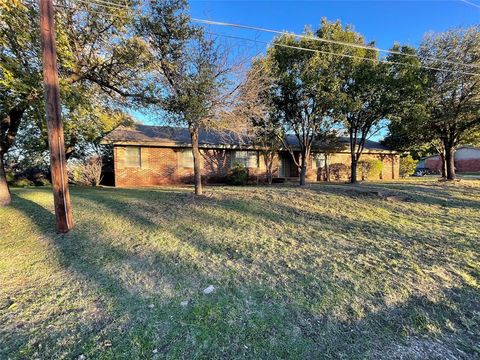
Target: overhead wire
x: 470, y: 3
x: 342, y: 55
x: 316, y: 38
x: 116, y: 6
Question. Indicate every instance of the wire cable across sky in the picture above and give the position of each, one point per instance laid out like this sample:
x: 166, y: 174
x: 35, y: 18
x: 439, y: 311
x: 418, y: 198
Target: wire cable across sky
x: 116, y: 6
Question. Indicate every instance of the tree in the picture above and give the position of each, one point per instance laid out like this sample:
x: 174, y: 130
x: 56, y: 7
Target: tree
x: 97, y: 55
x: 303, y: 93
x: 453, y: 96
x: 256, y: 110
x: 444, y: 111
x: 407, y: 165
x: 189, y: 72
x: 364, y: 99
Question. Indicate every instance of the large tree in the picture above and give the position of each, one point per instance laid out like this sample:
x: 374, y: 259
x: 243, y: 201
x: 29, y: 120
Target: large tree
x: 453, y: 96
x: 303, y: 94
x: 96, y: 52
x: 189, y: 72
x: 445, y: 109
x: 364, y: 99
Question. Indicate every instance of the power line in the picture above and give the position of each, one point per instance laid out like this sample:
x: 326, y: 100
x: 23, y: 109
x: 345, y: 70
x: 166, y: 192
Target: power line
x: 470, y: 3
x: 342, y: 55
x: 314, y: 38
x: 97, y: 2
x: 108, y: 3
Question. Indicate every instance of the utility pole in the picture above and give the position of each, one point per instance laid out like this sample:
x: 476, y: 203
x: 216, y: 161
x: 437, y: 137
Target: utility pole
x: 61, y: 196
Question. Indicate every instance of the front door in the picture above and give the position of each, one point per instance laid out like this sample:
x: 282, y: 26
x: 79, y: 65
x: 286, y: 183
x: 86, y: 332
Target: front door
x: 287, y: 167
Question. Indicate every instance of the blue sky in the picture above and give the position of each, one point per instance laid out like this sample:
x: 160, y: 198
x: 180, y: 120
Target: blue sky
x: 384, y: 22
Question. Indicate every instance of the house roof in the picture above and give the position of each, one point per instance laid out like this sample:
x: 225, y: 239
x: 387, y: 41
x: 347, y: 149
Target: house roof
x: 180, y: 137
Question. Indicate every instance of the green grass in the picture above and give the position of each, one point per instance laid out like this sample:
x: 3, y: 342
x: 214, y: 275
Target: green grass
x: 325, y: 271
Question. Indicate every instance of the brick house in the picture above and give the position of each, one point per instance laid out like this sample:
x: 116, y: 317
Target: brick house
x: 467, y: 159
x: 160, y: 155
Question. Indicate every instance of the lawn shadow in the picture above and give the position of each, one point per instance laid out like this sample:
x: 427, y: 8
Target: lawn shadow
x: 95, y: 262
x: 436, y: 194
x: 386, y: 332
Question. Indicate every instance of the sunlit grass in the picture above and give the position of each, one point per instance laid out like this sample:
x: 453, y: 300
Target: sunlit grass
x: 326, y: 271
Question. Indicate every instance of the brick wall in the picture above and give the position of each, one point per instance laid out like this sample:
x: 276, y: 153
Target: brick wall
x: 463, y: 165
x: 468, y: 165
x: 434, y: 164
x: 163, y: 166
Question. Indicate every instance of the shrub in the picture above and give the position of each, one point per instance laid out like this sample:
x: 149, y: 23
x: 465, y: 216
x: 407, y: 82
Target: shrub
x: 371, y: 168
x: 407, y: 165
x: 87, y: 172
x: 22, y: 182
x: 41, y: 181
x: 339, y: 171
x: 10, y: 177
x: 238, y: 175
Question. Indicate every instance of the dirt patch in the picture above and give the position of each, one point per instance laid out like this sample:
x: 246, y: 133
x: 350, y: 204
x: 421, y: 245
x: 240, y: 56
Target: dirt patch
x: 419, y: 349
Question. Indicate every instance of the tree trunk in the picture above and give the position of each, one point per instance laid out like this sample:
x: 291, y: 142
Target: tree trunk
x: 197, y: 174
x: 268, y: 157
x: 303, y: 169
x: 8, y: 131
x: 327, y: 169
x: 450, y: 162
x: 443, y: 165
x: 269, y: 171
x: 5, y: 196
x: 353, y: 171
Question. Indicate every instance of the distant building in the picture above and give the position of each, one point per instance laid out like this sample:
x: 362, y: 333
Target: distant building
x: 467, y: 159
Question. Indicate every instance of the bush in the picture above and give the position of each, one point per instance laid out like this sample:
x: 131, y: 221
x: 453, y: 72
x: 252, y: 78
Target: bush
x: 238, y: 175
x: 371, y: 168
x: 41, y: 181
x: 339, y: 171
x: 87, y: 172
x: 22, y: 182
x: 29, y: 176
x: 10, y: 177
x: 407, y: 165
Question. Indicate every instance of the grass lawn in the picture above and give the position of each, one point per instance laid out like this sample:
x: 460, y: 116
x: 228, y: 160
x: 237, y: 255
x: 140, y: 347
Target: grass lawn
x: 325, y: 271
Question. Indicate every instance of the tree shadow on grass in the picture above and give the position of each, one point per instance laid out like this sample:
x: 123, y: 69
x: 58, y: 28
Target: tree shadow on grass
x: 92, y: 261
x: 415, y: 193
x: 254, y: 320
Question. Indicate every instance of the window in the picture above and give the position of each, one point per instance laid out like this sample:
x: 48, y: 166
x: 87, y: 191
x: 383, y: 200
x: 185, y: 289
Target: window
x: 133, y: 156
x: 187, y: 158
x: 248, y: 159
x: 319, y: 161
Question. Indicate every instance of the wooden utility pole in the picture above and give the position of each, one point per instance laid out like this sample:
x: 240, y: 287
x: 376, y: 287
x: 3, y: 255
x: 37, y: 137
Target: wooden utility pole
x: 61, y: 196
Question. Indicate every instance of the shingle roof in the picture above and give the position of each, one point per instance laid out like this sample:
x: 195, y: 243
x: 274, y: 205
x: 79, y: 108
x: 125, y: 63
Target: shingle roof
x: 178, y: 136
x: 169, y: 134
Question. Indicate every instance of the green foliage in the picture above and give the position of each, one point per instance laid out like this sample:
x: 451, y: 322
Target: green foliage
x: 22, y: 182
x: 238, y: 175
x: 42, y: 182
x: 442, y: 108
x: 407, y: 165
x: 371, y: 169
x: 10, y: 176
x: 100, y: 64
